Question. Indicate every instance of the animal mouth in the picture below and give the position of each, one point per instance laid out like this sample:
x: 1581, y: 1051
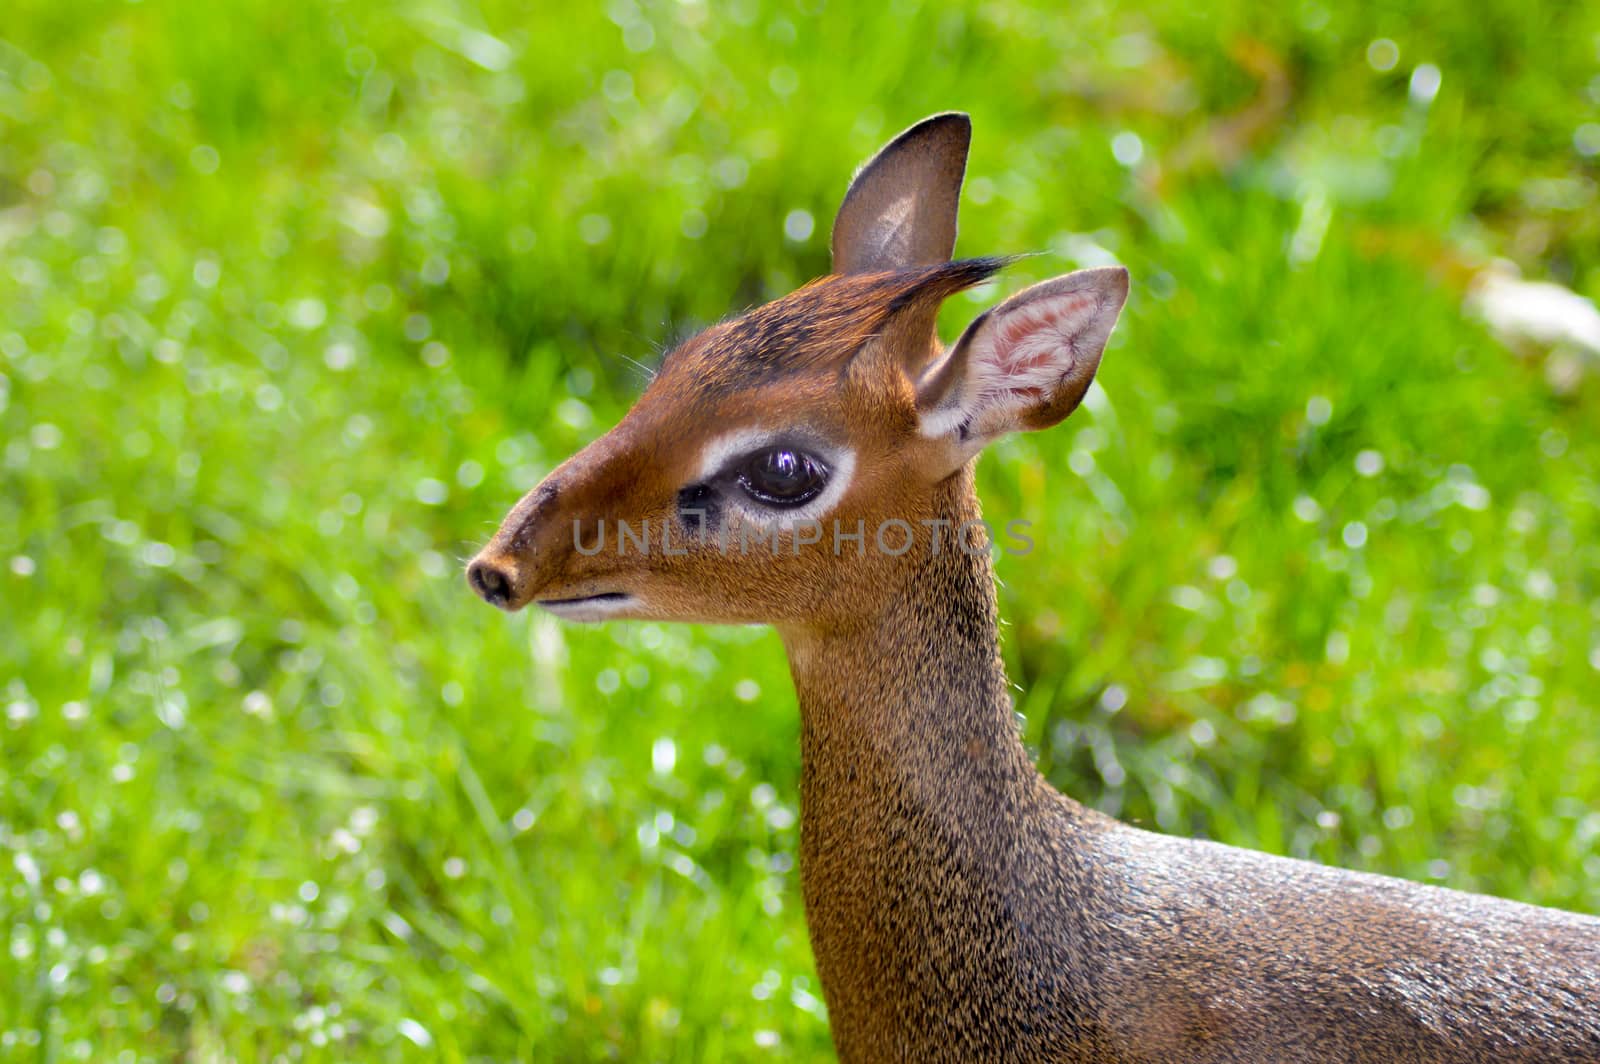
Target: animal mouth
x: 588, y: 607
x: 586, y: 600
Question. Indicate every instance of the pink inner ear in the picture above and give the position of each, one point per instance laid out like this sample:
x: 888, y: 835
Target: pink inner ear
x: 1019, y: 356
x: 1033, y: 346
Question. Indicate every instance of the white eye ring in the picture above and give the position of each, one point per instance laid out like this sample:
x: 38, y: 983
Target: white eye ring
x: 725, y: 452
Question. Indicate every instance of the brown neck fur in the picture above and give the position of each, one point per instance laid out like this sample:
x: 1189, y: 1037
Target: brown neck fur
x: 916, y: 694
x: 921, y: 809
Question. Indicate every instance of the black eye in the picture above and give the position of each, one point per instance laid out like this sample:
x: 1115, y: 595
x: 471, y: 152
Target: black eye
x: 783, y: 476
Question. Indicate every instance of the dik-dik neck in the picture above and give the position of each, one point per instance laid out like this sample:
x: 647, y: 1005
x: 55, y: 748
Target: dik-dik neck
x: 912, y: 704
x: 922, y: 816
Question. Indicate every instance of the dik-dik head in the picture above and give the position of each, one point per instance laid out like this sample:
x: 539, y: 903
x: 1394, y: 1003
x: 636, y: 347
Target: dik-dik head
x: 783, y: 466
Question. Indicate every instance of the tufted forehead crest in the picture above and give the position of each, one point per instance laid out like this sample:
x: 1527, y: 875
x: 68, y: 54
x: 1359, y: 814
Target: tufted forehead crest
x: 819, y: 325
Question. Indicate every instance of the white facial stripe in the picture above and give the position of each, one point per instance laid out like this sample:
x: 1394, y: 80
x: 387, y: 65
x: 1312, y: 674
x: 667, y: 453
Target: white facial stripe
x: 720, y: 452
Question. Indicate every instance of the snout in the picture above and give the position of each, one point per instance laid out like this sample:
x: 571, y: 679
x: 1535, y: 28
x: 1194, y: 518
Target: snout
x: 535, y: 556
x: 509, y: 570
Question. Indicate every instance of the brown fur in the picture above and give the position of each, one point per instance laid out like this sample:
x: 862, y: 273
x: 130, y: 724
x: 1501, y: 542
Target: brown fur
x: 961, y: 909
x: 817, y: 328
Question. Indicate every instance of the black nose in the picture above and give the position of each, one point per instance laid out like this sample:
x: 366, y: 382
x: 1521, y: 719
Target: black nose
x: 490, y: 582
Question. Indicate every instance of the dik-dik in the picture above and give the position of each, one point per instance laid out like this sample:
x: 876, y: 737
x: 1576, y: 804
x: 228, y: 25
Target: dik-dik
x: 809, y: 465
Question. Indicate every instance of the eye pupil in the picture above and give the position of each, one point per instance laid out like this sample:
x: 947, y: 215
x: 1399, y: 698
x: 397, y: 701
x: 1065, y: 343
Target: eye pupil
x: 783, y: 476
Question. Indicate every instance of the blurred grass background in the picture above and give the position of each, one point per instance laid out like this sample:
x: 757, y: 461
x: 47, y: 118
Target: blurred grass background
x: 297, y: 298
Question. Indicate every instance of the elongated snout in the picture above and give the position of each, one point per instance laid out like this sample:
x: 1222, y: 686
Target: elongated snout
x: 533, y: 555
x: 523, y: 554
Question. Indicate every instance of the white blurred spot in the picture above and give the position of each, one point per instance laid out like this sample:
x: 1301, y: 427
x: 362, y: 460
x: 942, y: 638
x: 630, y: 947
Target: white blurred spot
x: 594, y: 229
x: 798, y: 225
x: 159, y: 555
x: 1473, y: 496
x: 1382, y: 55
x: 1315, y: 214
x: 491, y: 53
x: 432, y: 492
x: 1338, y: 648
x: 307, y: 313
x: 1127, y: 148
x: 639, y: 37
x: 574, y: 413
x: 435, y: 270
x: 339, y: 356
x: 1131, y: 50
x: 783, y: 80
x: 617, y: 85
x: 365, y: 218
x: 1537, y: 312
x: 730, y: 171
x: 1586, y: 138
x: 1425, y: 84
x: 414, y: 1032
x: 663, y: 755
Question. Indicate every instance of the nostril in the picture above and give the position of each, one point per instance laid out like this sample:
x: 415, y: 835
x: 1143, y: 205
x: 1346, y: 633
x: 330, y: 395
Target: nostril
x: 490, y: 583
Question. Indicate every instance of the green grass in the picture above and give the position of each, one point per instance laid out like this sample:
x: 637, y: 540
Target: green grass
x: 296, y: 299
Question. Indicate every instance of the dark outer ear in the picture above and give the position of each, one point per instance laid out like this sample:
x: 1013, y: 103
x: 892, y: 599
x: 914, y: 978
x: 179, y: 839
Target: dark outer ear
x: 901, y: 207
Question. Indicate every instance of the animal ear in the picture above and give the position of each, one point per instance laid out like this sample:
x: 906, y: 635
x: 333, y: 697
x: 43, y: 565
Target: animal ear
x: 901, y: 207
x: 1024, y: 364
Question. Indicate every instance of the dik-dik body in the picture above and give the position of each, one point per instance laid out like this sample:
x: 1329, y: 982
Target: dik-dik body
x: 959, y: 907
